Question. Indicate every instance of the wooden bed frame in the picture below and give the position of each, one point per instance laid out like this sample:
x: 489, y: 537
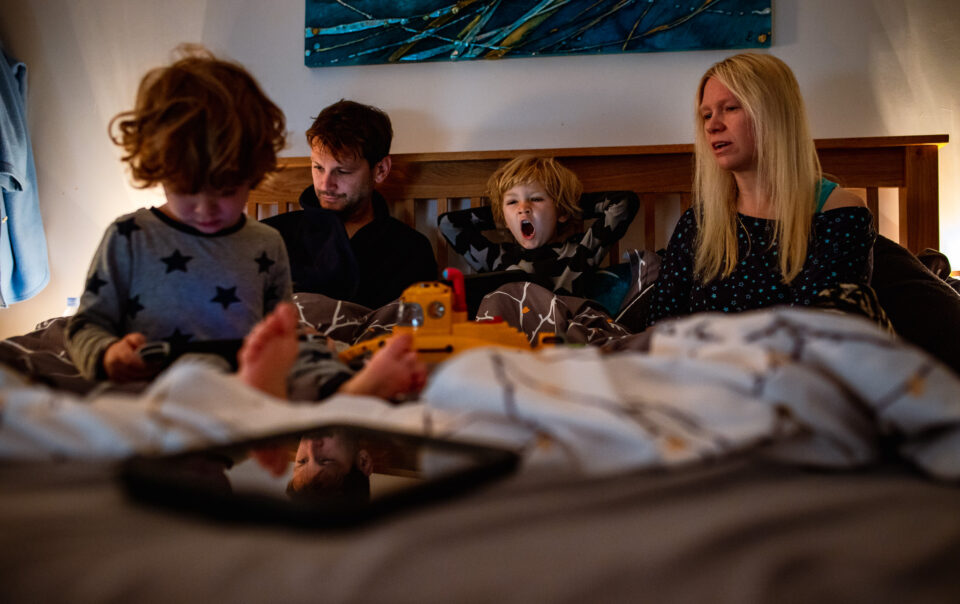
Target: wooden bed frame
x: 426, y: 184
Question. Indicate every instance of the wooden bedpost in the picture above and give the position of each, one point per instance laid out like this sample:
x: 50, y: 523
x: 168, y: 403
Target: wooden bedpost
x: 919, y: 207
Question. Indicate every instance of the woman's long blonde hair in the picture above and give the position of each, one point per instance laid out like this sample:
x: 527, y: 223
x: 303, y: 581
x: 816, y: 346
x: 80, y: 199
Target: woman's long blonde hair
x: 787, y: 166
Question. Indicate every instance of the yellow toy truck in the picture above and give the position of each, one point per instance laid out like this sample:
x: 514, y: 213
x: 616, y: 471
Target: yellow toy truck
x: 435, y: 312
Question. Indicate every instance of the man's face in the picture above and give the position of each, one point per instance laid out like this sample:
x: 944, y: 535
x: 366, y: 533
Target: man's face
x: 344, y: 185
x: 322, y: 461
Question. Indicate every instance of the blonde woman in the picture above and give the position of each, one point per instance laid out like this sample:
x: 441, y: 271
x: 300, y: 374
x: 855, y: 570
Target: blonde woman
x: 765, y: 228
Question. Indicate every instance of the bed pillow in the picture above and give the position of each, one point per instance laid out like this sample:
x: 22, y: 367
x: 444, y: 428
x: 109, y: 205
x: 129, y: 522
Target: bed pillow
x: 608, y: 286
x: 625, y: 290
x: 923, y: 308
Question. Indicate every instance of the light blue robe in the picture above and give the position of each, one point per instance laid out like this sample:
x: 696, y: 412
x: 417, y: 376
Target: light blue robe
x: 24, y: 270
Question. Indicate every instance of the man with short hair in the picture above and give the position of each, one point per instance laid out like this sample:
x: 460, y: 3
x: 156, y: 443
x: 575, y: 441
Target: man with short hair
x: 344, y: 243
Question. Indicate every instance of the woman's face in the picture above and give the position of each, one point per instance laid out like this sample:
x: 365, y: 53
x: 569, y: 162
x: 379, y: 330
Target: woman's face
x: 728, y: 128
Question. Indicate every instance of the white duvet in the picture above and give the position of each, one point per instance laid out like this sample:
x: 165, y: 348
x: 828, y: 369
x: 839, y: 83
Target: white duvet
x: 191, y: 405
x: 802, y: 386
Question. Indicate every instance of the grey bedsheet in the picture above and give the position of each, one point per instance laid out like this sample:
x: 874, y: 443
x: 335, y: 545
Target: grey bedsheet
x: 732, y: 532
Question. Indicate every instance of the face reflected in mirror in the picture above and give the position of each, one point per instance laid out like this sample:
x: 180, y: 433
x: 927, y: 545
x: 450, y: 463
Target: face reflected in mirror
x: 330, y: 463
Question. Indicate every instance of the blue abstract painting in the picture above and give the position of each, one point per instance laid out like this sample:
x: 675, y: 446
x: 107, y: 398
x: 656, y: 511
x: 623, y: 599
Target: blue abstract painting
x: 358, y: 32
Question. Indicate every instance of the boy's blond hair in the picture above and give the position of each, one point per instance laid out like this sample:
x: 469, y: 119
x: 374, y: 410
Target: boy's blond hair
x: 199, y: 123
x: 558, y: 182
x: 787, y: 166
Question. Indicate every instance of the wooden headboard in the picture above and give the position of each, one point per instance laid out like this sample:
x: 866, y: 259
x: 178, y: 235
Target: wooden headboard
x: 422, y: 185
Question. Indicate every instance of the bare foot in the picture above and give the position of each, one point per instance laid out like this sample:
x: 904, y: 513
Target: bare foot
x: 393, y: 370
x: 269, y: 350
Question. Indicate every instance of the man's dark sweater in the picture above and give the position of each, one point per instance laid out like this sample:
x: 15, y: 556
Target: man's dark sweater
x: 372, y: 268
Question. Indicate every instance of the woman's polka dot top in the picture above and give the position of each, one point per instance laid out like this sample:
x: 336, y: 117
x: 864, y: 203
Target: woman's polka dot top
x: 840, y: 252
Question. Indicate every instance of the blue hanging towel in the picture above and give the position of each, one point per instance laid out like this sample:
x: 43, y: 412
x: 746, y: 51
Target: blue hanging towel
x: 24, y: 270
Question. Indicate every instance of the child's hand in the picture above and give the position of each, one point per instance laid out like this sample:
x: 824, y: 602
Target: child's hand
x: 122, y: 363
x: 393, y: 370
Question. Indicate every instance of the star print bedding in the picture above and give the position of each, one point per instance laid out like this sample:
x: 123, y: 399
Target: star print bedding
x: 566, y: 264
x: 615, y: 307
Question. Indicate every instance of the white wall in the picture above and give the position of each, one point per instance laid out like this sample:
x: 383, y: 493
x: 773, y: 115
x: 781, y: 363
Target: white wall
x: 867, y: 68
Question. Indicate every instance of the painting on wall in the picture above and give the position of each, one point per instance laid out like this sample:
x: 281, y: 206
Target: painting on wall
x: 360, y: 32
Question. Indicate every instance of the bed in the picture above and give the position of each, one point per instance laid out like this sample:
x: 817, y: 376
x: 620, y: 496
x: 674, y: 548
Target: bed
x: 867, y: 511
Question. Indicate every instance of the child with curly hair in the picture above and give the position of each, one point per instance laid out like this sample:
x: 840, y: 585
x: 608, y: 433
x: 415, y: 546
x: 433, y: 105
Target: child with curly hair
x: 193, y: 269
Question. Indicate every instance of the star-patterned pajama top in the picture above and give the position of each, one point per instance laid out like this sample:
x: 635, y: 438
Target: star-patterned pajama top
x: 564, y: 263
x: 154, y: 275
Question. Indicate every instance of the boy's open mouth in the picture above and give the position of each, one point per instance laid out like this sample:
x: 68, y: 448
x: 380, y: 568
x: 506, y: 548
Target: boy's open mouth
x: 526, y: 227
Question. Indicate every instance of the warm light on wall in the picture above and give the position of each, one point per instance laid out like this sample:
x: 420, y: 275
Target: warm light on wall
x: 950, y: 223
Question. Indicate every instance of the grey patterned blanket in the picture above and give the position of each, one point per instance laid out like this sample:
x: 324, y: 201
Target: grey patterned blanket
x: 41, y: 356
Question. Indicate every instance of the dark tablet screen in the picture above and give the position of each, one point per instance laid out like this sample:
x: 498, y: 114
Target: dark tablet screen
x: 328, y: 476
